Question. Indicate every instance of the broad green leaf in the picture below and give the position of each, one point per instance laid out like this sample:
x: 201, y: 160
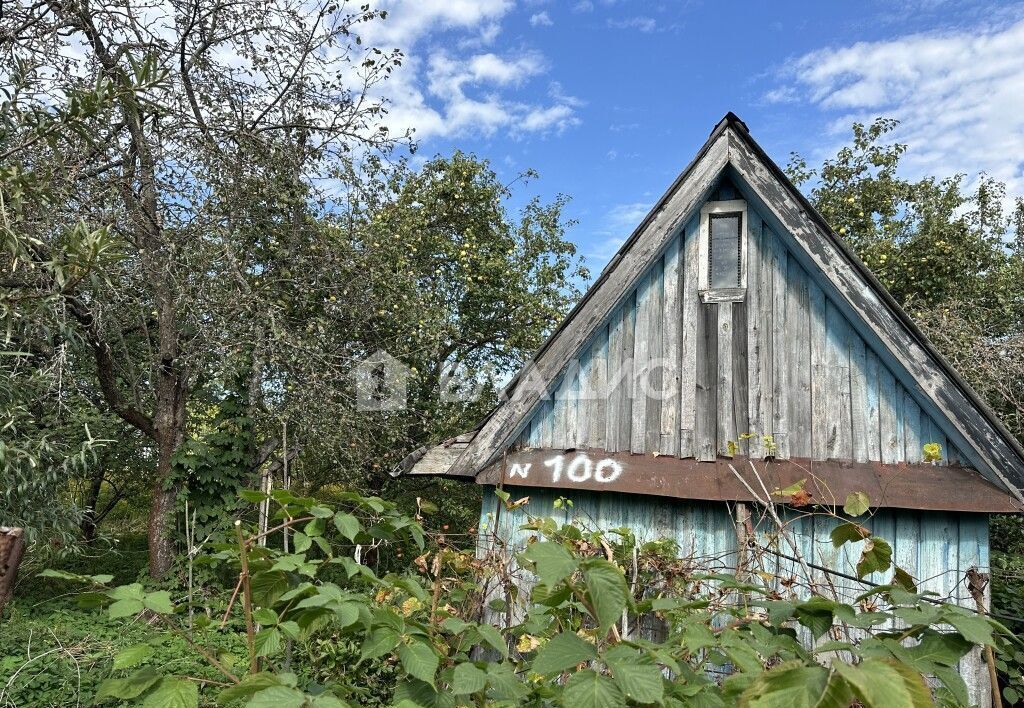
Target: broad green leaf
x: 848, y: 533
x: 493, y: 637
x: 381, y: 641
x: 941, y: 648
x: 265, y: 615
x: 639, y: 678
x: 252, y: 496
x: 126, y: 658
x: 974, y: 628
x: 607, y: 589
x: 816, y: 614
x: 552, y: 561
x: 857, y: 503
x: 173, y: 692
x: 247, y: 686
x: 954, y: 683
x: 328, y: 700
x: 562, y: 652
x: 468, y: 679
x: 277, y: 697
x: 302, y: 542
x: 875, y: 557
x: 128, y: 688
x: 347, y: 525
x: 880, y: 683
x: 268, y: 641
x: 320, y: 512
x: 903, y: 579
x: 504, y: 684
x: 127, y: 592
x: 419, y: 660
x: 125, y: 608
x: 159, y: 602
x: 588, y: 689
x: 794, y: 685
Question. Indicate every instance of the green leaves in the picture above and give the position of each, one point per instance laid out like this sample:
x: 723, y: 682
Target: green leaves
x: 467, y: 678
x: 552, y: 561
x: 173, y: 693
x: 347, y: 525
x: 857, y: 503
x: 419, y: 660
x: 795, y: 685
x: 128, y: 688
x: 848, y: 533
x: 636, y: 674
x: 562, y: 652
x: 875, y: 557
x: 132, y: 656
x: 589, y: 689
x: 606, y: 590
x: 880, y: 683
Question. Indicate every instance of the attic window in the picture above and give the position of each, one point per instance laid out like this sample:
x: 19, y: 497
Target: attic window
x: 723, y: 246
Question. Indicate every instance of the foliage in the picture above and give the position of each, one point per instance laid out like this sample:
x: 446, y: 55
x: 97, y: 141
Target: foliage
x: 421, y: 635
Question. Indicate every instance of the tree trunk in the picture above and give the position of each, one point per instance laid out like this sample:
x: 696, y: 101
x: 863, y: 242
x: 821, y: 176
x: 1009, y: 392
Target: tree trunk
x: 92, y: 500
x: 161, y: 514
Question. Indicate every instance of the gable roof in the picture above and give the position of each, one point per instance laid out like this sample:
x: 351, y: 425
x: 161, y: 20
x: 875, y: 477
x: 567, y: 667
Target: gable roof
x: 730, y: 148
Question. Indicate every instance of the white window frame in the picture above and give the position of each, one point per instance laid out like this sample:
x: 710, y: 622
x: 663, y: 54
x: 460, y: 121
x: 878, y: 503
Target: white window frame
x: 707, y: 293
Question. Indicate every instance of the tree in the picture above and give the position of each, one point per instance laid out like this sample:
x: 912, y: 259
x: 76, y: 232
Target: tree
x: 193, y: 125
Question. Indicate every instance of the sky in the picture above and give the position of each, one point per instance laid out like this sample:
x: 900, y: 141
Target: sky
x: 610, y: 99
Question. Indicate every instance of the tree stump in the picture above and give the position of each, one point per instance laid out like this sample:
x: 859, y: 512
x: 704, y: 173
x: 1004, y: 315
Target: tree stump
x: 12, y: 545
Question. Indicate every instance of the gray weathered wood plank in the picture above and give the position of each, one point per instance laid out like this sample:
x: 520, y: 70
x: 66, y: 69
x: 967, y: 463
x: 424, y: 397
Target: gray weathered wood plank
x: 798, y: 336
x: 755, y: 336
x: 740, y: 398
x: 726, y: 424
x: 858, y: 397
x: 598, y: 390
x: 871, y: 405
x: 642, y: 344
x: 781, y: 348
x: 691, y: 342
x: 706, y: 429
x: 672, y: 336
x: 820, y: 443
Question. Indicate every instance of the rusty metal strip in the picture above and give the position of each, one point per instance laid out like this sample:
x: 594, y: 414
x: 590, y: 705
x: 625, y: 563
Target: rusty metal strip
x: 905, y: 486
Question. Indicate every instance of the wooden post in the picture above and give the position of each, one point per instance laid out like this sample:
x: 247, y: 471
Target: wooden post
x: 12, y: 546
x: 976, y: 584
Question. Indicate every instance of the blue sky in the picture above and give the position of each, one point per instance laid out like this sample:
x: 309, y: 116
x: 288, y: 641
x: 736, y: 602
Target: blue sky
x: 610, y: 99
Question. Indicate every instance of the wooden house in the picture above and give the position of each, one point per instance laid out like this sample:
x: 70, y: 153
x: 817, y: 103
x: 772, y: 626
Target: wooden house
x: 735, y: 325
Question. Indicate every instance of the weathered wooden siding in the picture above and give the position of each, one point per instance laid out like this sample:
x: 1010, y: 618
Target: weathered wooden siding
x: 936, y: 548
x: 783, y: 371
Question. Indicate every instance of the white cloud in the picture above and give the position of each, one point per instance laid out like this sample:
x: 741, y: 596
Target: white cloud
x: 615, y: 227
x: 410, y: 20
x: 644, y: 24
x: 541, y: 19
x: 583, y: 6
x: 959, y: 96
x: 447, y: 85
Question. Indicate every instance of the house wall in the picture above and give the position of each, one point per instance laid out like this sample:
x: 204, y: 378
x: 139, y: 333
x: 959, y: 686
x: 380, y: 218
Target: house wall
x: 786, y: 362
x: 936, y: 548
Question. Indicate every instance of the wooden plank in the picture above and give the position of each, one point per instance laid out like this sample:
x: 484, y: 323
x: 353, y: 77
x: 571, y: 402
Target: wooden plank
x: 858, y: 397
x: 755, y: 336
x: 781, y: 347
x: 672, y: 340
x: 642, y: 355
x: 798, y: 334
x: 598, y: 390
x: 706, y: 430
x: 973, y: 552
x: 920, y: 486
x: 820, y: 443
x: 653, y: 386
x: 583, y: 401
x: 614, y: 382
x: 739, y: 377
x: 889, y: 414
x: 912, y: 429
x: 838, y: 356
x: 626, y: 369
x: 642, y: 249
x: 691, y: 344
x: 871, y: 406
x: 559, y: 412
x: 726, y: 425
x: 546, y: 416
x: 766, y: 299
x: 868, y: 303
